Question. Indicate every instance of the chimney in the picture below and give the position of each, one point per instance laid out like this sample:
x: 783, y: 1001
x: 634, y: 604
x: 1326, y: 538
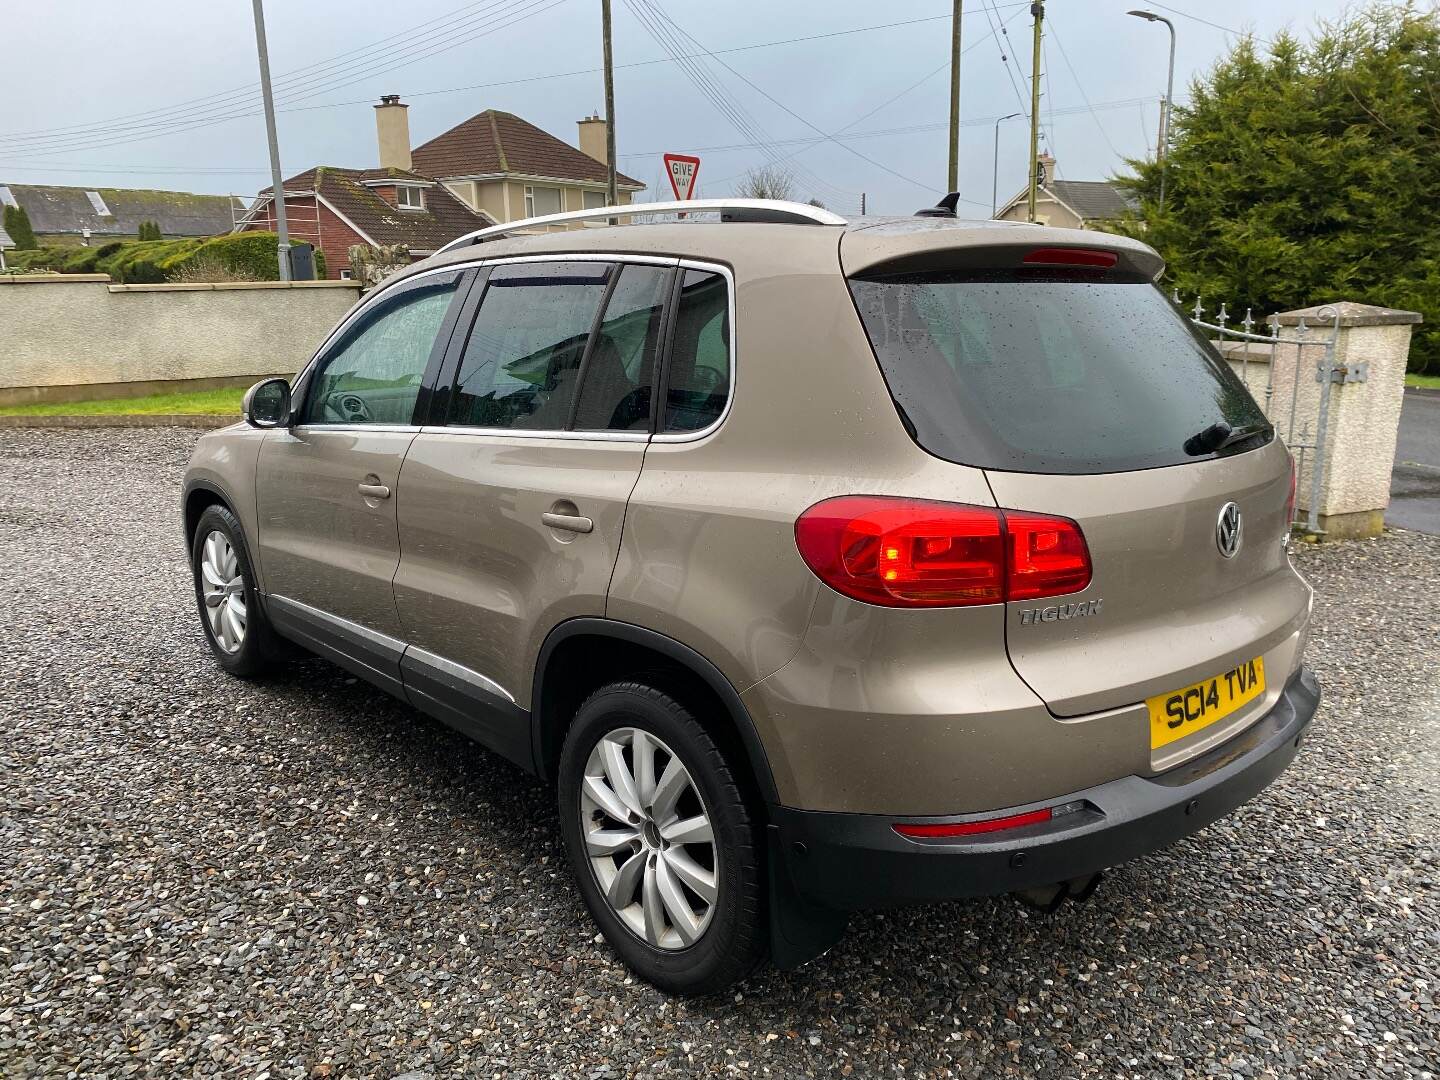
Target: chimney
x: 392, y: 128
x: 1046, y: 162
x: 592, y: 137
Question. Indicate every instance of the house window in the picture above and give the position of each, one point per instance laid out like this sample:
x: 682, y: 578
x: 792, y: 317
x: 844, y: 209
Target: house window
x: 594, y: 200
x: 347, y: 275
x: 409, y: 197
x: 98, y: 203
x: 540, y: 201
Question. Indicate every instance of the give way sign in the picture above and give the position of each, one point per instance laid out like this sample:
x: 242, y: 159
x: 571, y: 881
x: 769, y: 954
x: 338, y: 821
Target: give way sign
x: 682, y: 170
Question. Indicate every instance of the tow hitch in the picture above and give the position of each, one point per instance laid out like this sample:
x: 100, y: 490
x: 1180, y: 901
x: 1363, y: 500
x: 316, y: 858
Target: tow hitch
x: 1048, y: 898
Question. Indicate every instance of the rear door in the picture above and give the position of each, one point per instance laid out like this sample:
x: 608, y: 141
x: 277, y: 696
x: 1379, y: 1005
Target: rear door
x: 1081, y: 392
x: 512, y: 509
x: 326, y: 487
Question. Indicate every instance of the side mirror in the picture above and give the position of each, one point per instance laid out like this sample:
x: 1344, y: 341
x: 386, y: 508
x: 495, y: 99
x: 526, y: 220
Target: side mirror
x: 266, y: 404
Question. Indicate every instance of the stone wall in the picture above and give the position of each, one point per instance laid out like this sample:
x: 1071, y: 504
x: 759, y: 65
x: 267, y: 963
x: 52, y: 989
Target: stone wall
x: 65, y: 338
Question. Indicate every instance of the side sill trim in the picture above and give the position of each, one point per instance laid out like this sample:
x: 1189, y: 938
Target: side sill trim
x: 367, y: 653
x: 476, y: 706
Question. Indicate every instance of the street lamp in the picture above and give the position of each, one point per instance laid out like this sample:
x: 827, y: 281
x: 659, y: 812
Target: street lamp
x: 1161, y: 151
x: 995, y: 168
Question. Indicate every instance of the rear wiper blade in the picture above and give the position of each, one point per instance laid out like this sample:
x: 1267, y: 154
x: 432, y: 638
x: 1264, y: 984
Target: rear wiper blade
x: 1219, y: 435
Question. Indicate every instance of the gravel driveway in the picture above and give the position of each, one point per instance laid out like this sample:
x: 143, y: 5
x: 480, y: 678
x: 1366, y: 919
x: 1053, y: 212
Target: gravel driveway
x: 304, y: 879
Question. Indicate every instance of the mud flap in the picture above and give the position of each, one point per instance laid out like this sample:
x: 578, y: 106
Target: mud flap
x: 800, y: 930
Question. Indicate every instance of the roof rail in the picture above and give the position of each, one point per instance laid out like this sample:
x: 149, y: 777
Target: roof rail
x: 751, y: 210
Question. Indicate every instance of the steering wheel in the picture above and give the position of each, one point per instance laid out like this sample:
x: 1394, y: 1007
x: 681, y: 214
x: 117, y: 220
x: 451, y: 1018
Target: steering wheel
x: 349, y: 407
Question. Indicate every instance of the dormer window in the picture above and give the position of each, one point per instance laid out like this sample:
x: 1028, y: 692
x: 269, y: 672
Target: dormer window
x: 409, y: 197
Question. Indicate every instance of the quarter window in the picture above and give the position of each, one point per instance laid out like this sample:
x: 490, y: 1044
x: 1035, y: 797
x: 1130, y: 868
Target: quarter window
x: 522, y: 360
x: 374, y: 376
x: 698, y: 379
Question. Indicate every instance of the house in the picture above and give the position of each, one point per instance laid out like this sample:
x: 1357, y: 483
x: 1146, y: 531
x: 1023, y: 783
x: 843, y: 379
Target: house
x: 333, y: 209
x: 506, y: 166
x: 75, y: 215
x: 1069, y: 204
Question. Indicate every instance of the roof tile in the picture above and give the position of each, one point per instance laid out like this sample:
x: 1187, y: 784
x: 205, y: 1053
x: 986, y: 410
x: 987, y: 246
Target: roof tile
x: 496, y: 142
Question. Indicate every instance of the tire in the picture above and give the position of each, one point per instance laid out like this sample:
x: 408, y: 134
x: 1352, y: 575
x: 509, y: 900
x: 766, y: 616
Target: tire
x: 680, y: 955
x: 256, y: 650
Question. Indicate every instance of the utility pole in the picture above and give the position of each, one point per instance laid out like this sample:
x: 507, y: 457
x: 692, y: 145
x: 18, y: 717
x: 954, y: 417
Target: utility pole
x: 954, y: 183
x: 277, y: 187
x: 612, y: 193
x: 862, y: 204
x: 1037, y: 11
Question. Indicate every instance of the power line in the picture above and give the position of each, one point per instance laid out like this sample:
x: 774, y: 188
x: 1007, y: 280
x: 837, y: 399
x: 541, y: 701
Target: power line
x: 672, y: 39
x: 288, y: 81
x: 168, y: 129
x: 143, y: 132
x: 891, y: 100
x: 785, y: 108
x: 1075, y: 78
x: 803, y: 141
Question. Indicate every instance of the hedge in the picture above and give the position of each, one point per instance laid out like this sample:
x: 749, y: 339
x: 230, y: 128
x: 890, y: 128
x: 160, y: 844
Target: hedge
x: 249, y: 256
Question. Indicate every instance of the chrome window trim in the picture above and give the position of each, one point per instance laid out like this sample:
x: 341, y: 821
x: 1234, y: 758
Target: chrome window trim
x: 705, y: 432
x: 316, y: 429
x: 603, y: 436
x: 542, y: 433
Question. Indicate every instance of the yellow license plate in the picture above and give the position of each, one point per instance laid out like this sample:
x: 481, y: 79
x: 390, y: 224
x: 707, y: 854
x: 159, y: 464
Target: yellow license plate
x: 1186, y: 711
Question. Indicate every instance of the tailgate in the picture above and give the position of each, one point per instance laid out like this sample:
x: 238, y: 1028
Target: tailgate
x: 1169, y: 609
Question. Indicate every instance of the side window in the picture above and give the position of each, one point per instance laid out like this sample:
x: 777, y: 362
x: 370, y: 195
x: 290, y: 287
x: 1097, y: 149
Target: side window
x: 522, y: 359
x: 615, y: 386
x: 699, y: 376
x: 374, y: 376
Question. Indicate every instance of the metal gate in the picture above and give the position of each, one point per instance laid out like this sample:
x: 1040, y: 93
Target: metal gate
x: 1317, y: 332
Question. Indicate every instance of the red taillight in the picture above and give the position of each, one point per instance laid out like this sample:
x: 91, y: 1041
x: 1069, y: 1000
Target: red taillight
x: 904, y: 552
x: 1102, y: 260
x: 1048, y: 556
x: 917, y: 553
x: 972, y: 828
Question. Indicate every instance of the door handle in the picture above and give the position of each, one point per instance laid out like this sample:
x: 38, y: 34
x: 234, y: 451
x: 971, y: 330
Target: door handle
x: 568, y: 522
x: 374, y: 491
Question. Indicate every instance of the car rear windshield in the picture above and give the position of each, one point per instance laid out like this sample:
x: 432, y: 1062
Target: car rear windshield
x: 1051, y: 374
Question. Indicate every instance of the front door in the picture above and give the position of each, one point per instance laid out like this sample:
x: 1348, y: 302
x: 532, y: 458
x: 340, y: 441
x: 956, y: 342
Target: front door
x: 512, y: 512
x: 326, y: 487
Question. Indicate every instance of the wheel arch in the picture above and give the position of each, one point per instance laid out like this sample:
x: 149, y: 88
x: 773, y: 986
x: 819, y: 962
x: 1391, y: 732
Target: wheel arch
x: 583, y: 654
x: 200, y: 495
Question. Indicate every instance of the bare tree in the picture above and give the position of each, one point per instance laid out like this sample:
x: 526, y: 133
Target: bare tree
x: 766, y: 182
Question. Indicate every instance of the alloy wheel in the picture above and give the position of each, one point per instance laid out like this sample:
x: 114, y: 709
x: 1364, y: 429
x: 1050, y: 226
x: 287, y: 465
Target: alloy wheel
x: 649, y: 839
x: 223, y: 589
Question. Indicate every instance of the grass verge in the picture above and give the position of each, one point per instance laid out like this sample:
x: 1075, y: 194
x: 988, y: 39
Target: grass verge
x: 1429, y: 382
x: 209, y: 402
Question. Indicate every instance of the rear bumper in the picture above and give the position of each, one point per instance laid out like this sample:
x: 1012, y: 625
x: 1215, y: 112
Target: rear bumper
x: 857, y: 861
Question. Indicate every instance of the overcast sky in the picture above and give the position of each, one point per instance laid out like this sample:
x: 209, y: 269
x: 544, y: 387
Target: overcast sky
x: 163, y: 93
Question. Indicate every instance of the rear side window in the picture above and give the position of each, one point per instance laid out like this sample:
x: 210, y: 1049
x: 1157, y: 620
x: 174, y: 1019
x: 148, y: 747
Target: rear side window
x: 1048, y: 375
x: 619, y: 370
x: 699, y: 373
x: 521, y: 363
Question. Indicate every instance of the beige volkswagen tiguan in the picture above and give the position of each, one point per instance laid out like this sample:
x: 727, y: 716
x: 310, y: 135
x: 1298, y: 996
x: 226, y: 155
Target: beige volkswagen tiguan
x: 821, y: 565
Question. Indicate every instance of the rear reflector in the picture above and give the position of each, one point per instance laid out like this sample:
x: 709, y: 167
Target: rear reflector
x: 972, y: 828
x: 1102, y: 260
x: 918, y: 553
